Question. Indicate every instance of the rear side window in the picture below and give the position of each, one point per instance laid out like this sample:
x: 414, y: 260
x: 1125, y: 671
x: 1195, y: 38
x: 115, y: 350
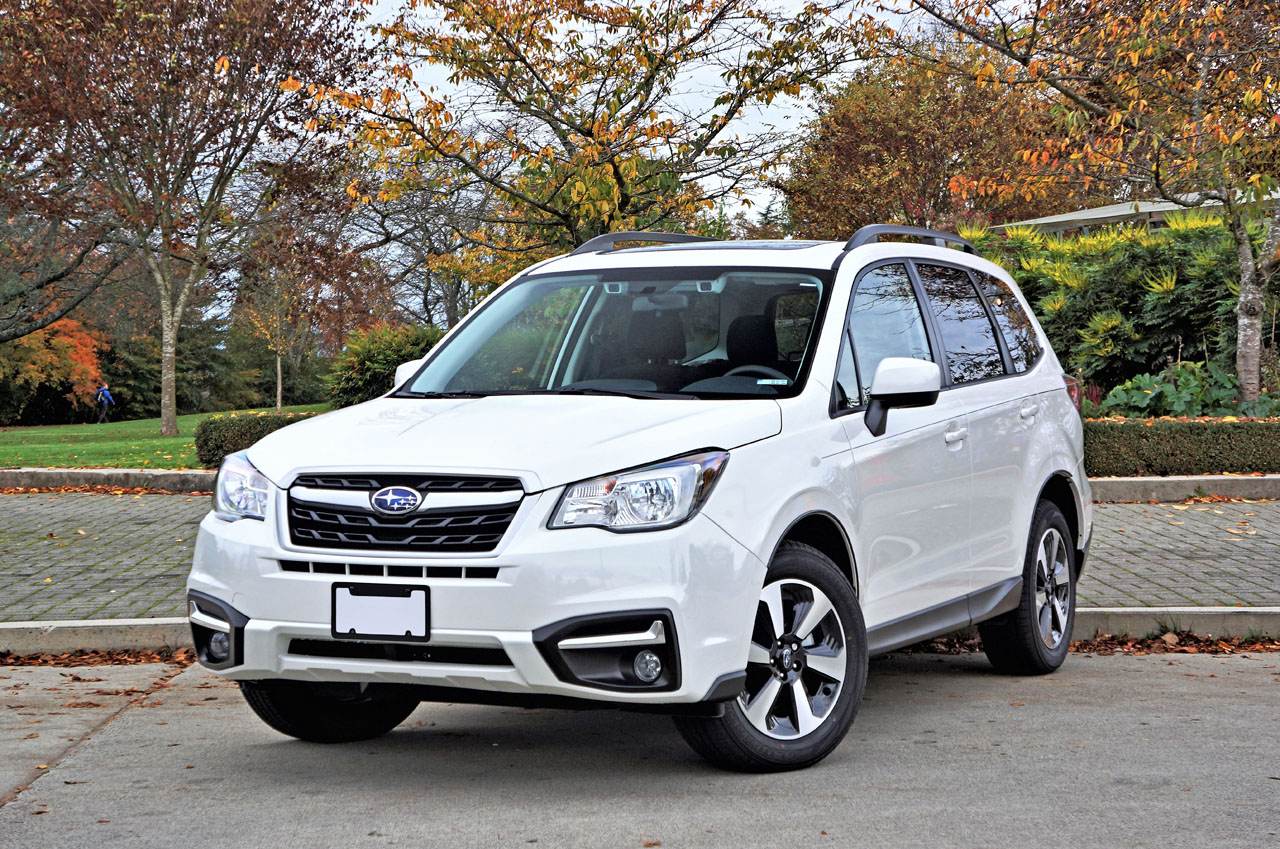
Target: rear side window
x: 884, y: 321
x: 1015, y: 324
x: 967, y: 333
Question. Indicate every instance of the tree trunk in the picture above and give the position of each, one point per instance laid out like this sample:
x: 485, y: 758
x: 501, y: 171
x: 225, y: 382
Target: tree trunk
x: 169, y: 321
x: 1249, y: 336
x: 1249, y: 312
x: 279, y: 384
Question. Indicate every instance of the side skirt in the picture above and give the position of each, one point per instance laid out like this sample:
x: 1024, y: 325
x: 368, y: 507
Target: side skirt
x: 946, y: 617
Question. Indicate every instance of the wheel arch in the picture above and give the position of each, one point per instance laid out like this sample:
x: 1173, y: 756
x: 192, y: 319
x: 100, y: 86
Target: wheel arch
x: 823, y: 531
x: 1060, y: 490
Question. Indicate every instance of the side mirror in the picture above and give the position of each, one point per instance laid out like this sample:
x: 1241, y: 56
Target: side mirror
x: 404, y: 371
x: 901, y: 382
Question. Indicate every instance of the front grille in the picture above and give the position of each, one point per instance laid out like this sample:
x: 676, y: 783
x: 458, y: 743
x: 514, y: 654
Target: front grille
x: 400, y: 652
x: 390, y: 570
x: 452, y: 529
x: 422, y: 483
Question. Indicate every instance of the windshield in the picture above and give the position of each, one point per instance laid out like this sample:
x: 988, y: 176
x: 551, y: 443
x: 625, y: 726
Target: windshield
x: 682, y: 332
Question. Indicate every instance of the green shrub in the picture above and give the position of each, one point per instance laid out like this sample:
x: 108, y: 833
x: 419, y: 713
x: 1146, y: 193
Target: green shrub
x: 1122, y: 301
x: 225, y: 433
x: 367, y: 365
x: 1167, y: 446
x: 1186, y: 389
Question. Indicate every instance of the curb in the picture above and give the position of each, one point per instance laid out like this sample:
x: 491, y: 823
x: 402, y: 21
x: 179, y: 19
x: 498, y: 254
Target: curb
x: 69, y: 635
x: 174, y: 480
x: 62, y: 636
x: 1181, y: 487
x: 1201, y: 621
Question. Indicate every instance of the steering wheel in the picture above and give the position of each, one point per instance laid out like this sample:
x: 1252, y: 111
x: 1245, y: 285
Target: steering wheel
x: 757, y: 370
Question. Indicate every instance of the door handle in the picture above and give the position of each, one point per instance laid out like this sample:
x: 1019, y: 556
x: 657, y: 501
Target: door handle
x: 953, y: 436
x: 1029, y: 411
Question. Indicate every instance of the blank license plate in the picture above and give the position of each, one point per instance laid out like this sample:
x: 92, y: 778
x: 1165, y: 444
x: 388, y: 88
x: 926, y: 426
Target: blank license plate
x: 378, y: 612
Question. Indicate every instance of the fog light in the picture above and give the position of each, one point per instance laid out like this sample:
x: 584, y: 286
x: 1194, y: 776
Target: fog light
x: 647, y: 666
x: 220, y: 646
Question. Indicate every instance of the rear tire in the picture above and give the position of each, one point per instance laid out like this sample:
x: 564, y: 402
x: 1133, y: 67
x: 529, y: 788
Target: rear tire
x: 1034, y: 638
x: 328, y: 713
x: 806, y: 670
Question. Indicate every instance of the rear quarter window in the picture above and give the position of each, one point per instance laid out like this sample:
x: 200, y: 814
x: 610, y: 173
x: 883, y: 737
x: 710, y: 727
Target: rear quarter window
x: 1015, y: 325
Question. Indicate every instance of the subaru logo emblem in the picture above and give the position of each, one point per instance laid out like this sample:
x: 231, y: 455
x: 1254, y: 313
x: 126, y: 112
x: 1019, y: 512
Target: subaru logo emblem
x: 393, y: 500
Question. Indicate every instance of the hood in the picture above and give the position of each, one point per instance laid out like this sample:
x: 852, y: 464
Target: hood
x: 547, y: 440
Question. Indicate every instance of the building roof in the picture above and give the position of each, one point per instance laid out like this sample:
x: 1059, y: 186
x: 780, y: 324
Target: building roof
x: 1100, y: 216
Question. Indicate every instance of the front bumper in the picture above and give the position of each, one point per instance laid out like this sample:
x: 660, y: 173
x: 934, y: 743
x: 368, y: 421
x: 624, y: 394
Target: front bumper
x: 496, y: 634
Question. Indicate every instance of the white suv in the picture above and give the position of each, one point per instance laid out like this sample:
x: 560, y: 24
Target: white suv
x: 707, y: 478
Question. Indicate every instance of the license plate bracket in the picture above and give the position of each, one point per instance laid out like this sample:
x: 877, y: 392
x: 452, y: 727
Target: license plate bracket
x: 381, y: 612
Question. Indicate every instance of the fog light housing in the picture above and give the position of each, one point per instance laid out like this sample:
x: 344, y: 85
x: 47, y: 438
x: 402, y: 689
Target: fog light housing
x: 647, y: 666
x: 219, y: 646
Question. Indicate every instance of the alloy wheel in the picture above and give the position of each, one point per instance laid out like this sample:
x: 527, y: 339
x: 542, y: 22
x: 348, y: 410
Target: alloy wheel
x: 797, y: 661
x: 1053, y: 588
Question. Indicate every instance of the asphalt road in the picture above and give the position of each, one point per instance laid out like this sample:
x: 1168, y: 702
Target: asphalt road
x: 1156, y: 751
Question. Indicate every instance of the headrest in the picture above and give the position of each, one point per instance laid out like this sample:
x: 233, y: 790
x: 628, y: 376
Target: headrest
x: 752, y: 340
x: 656, y: 335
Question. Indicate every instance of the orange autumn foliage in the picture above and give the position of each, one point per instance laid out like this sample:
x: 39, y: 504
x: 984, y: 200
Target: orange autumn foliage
x: 63, y: 357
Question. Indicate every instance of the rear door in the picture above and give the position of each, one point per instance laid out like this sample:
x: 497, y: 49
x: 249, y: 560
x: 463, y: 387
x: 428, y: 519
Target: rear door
x: 1002, y: 418
x: 912, y: 481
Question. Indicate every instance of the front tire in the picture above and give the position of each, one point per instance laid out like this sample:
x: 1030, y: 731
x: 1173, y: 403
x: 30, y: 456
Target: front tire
x: 1034, y: 638
x: 328, y: 713
x: 806, y: 671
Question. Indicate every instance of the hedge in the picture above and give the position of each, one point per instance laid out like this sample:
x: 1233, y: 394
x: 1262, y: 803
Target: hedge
x: 226, y: 433
x: 1113, y: 447
x: 1179, y: 446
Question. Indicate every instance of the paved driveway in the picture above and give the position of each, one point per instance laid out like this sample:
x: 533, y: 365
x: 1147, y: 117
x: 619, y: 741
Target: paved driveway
x: 78, y: 556
x: 1113, y: 752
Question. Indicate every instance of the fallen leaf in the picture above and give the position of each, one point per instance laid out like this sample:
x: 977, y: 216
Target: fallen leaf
x: 1017, y: 704
x: 1170, y: 638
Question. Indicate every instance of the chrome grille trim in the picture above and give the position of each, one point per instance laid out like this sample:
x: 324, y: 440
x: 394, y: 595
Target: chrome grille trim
x: 459, y: 514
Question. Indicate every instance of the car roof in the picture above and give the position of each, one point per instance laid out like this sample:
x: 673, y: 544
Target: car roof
x: 761, y: 253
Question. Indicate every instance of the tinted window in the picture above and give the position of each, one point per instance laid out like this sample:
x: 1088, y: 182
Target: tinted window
x: 884, y: 321
x: 967, y: 334
x: 1015, y: 324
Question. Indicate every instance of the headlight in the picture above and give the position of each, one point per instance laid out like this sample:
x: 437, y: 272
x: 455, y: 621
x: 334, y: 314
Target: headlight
x: 642, y: 500
x: 241, y: 490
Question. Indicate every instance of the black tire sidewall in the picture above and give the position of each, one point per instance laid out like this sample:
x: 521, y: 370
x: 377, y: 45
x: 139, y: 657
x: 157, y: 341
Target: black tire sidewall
x: 807, y: 564
x: 1048, y: 516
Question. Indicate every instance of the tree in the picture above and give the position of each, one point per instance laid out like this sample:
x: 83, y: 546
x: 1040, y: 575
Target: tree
x: 1177, y: 100
x: 164, y: 102
x: 55, y: 235
x: 894, y: 142
x: 54, y: 367
x: 579, y: 116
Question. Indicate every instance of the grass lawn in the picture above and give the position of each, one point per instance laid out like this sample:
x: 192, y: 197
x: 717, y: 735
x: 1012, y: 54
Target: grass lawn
x: 117, y: 445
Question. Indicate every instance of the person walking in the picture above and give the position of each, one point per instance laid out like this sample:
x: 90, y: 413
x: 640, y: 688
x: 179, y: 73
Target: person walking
x: 103, y: 398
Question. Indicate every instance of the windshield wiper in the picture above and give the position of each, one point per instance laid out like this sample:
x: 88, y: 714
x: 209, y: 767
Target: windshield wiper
x: 466, y: 393
x: 624, y: 393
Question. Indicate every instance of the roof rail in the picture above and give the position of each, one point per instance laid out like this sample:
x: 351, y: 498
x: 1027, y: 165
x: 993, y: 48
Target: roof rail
x: 872, y: 233
x: 608, y: 240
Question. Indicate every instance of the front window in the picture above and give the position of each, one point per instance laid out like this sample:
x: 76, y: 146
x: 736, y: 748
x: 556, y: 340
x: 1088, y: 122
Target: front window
x: 683, y: 332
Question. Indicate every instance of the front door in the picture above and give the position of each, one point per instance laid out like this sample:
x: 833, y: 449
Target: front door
x: 913, y: 481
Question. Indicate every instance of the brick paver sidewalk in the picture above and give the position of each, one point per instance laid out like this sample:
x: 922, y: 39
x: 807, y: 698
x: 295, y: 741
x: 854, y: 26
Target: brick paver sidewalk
x: 78, y: 556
